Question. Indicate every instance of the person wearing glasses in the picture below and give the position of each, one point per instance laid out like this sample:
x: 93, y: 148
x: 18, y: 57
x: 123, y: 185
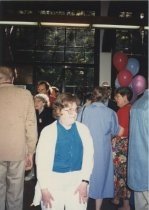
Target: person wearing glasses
x: 64, y: 159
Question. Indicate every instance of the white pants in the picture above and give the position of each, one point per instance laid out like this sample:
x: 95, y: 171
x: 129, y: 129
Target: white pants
x: 67, y: 199
x: 141, y: 200
x: 62, y: 189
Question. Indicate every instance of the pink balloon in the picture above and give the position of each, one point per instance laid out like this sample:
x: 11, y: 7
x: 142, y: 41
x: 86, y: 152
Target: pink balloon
x: 138, y: 84
x: 120, y: 60
x: 124, y: 77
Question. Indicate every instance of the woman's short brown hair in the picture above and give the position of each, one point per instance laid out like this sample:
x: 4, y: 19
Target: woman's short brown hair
x: 62, y: 101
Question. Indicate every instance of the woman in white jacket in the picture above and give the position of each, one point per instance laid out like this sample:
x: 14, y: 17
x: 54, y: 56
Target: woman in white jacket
x: 64, y: 159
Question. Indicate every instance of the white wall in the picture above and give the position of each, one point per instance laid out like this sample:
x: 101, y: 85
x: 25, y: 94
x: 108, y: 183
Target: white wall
x: 105, y: 58
x: 105, y: 68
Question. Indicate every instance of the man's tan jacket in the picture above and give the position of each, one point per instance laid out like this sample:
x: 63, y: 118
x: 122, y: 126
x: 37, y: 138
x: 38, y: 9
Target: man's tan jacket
x: 18, y: 126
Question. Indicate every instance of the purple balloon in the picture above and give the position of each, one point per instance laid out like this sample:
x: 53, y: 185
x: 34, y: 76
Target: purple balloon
x: 138, y: 84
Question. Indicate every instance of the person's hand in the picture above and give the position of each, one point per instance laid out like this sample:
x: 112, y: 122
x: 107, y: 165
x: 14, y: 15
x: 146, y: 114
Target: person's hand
x: 47, y: 198
x: 29, y: 162
x: 82, y: 190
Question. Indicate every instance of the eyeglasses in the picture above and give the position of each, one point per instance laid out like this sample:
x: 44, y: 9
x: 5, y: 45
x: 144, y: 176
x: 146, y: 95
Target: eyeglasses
x: 70, y: 110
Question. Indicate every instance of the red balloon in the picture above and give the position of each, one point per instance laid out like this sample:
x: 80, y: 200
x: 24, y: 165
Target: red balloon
x: 124, y: 77
x: 138, y: 84
x: 120, y: 60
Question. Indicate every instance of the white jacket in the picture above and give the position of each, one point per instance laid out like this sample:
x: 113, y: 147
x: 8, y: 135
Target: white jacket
x: 45, y: 156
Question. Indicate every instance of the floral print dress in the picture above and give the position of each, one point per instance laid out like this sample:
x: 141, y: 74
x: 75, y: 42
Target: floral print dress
x: 120, y: 150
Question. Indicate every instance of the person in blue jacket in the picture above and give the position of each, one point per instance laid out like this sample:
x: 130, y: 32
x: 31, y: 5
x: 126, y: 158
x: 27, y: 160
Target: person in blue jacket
x: 138, y: 152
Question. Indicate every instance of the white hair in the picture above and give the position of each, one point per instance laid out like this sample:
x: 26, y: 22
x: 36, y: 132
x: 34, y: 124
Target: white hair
x: 43, y: 97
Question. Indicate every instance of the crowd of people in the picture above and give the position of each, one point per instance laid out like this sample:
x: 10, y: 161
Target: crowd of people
x: 74, y: 151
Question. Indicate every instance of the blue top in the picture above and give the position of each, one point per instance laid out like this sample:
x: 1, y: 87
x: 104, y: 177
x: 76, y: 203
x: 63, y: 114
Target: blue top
x: 138, y: 150
x: 103, y: 124
x: 68, y: 150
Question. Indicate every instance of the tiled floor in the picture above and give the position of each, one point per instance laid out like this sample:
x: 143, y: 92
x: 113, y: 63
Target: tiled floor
x: 29, y: 191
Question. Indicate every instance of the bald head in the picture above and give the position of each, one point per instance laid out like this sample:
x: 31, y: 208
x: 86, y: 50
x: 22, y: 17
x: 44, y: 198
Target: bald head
x: 6, y: 75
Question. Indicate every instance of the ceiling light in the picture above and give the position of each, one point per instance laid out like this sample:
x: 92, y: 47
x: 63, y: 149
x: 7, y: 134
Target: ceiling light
x: 146, y: 27
x: 115, y: 26
x: 23, y: 23
x: 64, y: 24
